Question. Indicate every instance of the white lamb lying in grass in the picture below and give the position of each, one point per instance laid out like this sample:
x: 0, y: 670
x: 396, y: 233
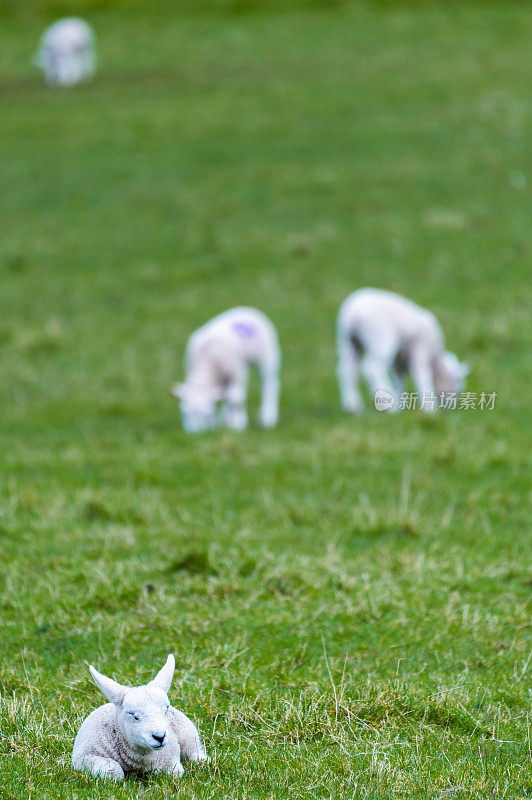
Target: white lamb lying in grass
x: 67, y: 52
x: 138, y: 731
x: 386, y: 336
x: 218, y: 358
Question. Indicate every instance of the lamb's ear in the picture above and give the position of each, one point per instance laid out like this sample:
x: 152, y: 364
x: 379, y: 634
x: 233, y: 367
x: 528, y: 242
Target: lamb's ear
x: 112, y: 690
x: 163, y: 679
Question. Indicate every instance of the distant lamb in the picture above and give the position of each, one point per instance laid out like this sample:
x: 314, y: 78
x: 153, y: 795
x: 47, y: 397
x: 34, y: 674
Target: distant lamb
x: 218, y: 358
x: 138, y: 731
x: 386, y: 336
x: 67, y: 52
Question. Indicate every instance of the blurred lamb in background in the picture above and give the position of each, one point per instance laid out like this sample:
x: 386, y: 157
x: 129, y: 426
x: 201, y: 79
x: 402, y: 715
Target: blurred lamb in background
x: 386, y: 336
x: 67, y: 52
x: 218, y: 358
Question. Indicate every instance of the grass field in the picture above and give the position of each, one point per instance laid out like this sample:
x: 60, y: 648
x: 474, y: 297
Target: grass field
x: 347, y: 599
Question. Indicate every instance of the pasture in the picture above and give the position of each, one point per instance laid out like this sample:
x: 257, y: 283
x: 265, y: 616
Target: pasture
x: 347, y: 599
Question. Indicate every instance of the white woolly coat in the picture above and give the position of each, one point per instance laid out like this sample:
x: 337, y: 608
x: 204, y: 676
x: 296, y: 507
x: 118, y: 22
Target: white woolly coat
x: 100, y: 735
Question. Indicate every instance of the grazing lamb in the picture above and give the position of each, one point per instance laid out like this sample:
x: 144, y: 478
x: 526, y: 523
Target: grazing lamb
x: 385, y: 336
x: 138, y: 731
x: 67, y: 52
x: 218, y: 358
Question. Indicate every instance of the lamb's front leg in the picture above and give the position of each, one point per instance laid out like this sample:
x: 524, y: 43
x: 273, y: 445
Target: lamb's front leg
x: 175, y: 768
x: 421, y: 370
x: 269, y: 407
x: 376, y: 369
x: 102, y: 767
x: 235, y: 414
x: 397, y: 381
x: 168, y: 761
x: 347, y: 372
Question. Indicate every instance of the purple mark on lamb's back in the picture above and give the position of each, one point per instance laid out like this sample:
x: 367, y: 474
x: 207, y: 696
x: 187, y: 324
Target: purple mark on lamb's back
x: 245, y: 329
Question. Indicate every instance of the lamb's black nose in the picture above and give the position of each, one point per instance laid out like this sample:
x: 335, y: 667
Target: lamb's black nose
x: 159, y: 739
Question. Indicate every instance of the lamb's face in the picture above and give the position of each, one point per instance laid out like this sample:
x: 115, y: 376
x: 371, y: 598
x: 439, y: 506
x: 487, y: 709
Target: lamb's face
x: 142, y: 711
x: 144, y: 717
x: 198, y: 408
x: 449, y: 373
x: 66, y: 50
